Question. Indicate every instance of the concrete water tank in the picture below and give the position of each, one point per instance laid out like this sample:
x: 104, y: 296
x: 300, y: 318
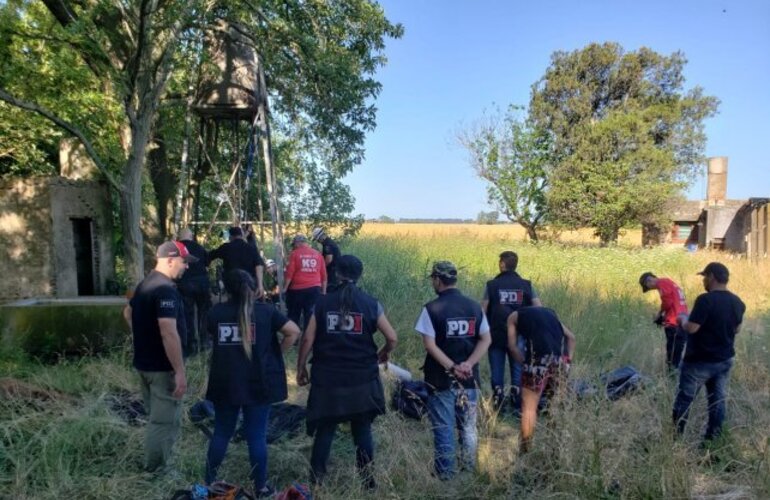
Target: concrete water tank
x: 716, y: 191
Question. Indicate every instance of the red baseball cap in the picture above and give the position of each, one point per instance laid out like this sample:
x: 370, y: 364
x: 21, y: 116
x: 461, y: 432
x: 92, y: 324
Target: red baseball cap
x: 175, y: 249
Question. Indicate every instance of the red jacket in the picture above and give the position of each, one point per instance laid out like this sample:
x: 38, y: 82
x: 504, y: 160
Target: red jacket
x: 672, y: 301
x: 306, y: 268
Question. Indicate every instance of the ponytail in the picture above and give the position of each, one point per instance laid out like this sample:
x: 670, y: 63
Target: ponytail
x: 349, y: 269
x: 346, y: 296
x: 239, y: 284
x: 244, y: 318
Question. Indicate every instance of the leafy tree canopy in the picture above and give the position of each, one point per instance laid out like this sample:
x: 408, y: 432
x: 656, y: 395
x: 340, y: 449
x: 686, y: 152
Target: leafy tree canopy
x: 106, y: 69
x: 515, y: 159
x: 628, y: 135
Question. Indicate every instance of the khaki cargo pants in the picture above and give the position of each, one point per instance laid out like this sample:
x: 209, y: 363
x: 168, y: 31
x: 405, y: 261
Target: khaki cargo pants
x: 164, y: 418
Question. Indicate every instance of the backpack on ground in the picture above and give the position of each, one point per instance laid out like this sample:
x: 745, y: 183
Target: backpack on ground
x: 623, y: 381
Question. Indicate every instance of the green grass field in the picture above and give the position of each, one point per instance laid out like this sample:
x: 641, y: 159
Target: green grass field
x: 75, y: 448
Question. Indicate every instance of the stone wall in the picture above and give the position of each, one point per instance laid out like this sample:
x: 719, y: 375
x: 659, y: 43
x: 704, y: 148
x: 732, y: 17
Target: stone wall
x: 36, y: 236
x: 725, y: 226
x: 80, y: 199
x: 26, y: 236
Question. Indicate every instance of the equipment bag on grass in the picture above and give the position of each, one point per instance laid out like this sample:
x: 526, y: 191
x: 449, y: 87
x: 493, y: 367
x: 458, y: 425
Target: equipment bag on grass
x: 411, y: 398
x: 623, y: 381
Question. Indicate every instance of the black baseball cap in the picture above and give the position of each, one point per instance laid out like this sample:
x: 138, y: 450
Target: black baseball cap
x: 175, y: 249
x: 235, y: 231
x: 718, y: 270
x: 350, y: 267
x: 643, y: 281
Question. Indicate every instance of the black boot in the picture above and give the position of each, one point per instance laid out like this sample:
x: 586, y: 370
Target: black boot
x: 515, y: 396
x: 498, y: 397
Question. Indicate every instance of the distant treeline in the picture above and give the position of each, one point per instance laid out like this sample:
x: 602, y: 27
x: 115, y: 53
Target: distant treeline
x: 389, y: 220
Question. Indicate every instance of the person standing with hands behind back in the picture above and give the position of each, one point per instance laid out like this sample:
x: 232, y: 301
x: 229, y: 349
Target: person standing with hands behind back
x: 345, y: 383
x: 247, y: 373
x: 456, y: 335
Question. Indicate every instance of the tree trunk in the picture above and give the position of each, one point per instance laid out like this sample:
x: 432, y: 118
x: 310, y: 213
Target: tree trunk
x: 131, y: 212
x: 531, y: 232
x: 131, y: 200
x: 608, y: 236
x: 164, y: 184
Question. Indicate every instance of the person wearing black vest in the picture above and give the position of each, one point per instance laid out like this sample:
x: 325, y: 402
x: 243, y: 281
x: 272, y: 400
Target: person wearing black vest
x: 455, y: 334
x: 545, y: 359
x: 344, y: 382
x: 504, y: 294
x: 247, y: 373
x: 714, y: 322
x: 155, y: 315
x: 195, y: 289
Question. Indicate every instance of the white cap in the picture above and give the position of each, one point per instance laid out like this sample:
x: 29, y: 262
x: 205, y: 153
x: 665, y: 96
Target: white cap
x: 317, y: 234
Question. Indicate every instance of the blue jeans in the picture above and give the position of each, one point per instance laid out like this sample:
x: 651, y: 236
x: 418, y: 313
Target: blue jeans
x: 497, y: 358
x: 255, y: 418
x: 448, y: 410
x: 691, y: 377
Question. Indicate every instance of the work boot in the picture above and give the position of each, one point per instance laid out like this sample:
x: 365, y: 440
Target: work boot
x: 498, y: 398
x: 515, y: 396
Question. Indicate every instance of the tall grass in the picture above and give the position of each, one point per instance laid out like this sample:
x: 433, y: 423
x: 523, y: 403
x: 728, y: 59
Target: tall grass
x: 588, y: 448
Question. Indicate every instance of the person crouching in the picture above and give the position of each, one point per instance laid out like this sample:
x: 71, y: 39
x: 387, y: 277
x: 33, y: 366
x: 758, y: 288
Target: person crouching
x: 549, y: 349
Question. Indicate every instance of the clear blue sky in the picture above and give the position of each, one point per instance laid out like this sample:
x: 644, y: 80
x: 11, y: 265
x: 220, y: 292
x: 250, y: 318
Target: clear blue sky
x: 458, y: 58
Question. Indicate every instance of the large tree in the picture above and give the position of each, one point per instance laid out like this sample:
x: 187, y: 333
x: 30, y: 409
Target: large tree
x: 515, y: 159
x: 319, y: 59
x: 629, y: 135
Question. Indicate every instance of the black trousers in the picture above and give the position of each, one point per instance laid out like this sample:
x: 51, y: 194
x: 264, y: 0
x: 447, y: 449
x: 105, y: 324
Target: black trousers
x: 300, y: 304
x: 676, y: 340
x: 361, y: 429
x: 197, y: 302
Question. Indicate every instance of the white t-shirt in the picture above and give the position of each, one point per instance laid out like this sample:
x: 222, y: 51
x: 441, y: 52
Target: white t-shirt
x: 424, y: 325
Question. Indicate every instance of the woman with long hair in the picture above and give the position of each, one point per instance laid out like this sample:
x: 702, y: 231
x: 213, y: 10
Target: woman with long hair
x: 345, y: 382
x: 247, y: 372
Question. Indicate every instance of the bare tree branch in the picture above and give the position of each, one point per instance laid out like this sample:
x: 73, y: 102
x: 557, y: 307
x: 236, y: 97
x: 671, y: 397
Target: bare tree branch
x: 5, y: 96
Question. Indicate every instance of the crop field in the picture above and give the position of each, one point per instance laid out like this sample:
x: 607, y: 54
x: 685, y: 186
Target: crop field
x: 68, y: 444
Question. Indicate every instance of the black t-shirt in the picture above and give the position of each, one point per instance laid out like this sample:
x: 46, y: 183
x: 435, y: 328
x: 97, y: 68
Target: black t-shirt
x: 196, y: 271
x: 155, y: 297
x: 543, y: 334
x: 238, y: 254
x: 329, y: 247
x: 719, y: 314
x: 233, y: 378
